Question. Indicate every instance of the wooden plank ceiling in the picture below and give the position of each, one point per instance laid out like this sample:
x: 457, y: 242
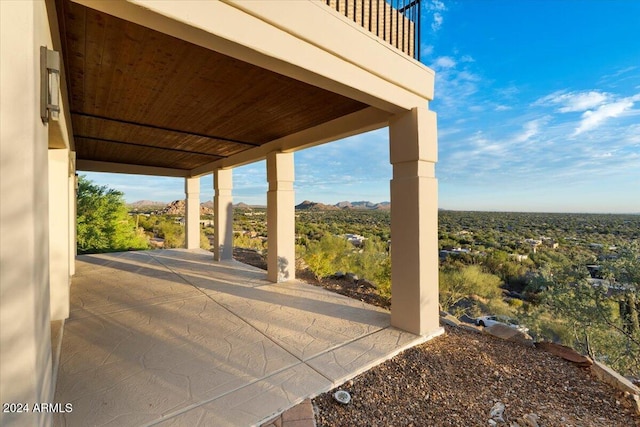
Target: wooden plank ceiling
x: 141, y: 97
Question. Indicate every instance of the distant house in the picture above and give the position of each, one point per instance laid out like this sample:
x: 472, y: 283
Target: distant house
x: 549, y: 242
x: 519, y: 257
x: 355, y: 239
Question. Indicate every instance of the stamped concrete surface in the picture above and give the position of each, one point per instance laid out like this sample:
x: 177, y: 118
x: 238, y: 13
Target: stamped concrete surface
x: 173, y: 338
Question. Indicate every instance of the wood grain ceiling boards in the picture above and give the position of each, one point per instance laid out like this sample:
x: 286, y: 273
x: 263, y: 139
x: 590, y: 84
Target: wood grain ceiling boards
x: 142, y: 97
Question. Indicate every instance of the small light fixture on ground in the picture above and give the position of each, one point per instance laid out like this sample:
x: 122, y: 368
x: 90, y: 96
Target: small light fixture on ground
x: 342, y: 396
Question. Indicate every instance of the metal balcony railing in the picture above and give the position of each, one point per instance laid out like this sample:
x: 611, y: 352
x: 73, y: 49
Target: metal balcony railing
x: 394, y: 21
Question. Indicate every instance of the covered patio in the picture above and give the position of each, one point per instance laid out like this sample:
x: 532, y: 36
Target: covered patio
x: 171, y: 337
x: 186, y: 90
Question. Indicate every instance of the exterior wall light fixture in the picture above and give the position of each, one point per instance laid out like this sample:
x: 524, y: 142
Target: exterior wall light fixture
x: 49, y: 84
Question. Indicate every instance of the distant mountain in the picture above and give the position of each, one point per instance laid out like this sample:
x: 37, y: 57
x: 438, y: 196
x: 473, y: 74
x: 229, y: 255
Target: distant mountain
x: 146, y: 203
x: 362, y: 205
x: 382, y: 206
x: 177, y: 207
x: 344, y: 205
x: 313, y: 206
x: 370, y: 205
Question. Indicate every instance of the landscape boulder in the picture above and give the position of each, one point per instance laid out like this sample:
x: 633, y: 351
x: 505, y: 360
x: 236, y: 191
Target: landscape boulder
x: 509, y: 334
x: 471, y: 328
x: 353, y: 277
x: 611, y: 377
x: 566, y: 353
x: 450, y: 320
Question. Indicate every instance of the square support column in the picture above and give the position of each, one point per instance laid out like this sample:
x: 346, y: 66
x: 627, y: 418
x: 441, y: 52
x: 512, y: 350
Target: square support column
x: 223, y: 214
x: 281, y: 254
x: 192, y: 213
x: 59, y: 233
x: 414, y: 222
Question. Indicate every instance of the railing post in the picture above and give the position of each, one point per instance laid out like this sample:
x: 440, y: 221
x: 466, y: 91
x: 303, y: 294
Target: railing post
x: 407, y: 32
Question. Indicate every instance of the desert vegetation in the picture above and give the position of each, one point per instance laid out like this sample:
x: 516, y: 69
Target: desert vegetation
x: 103, y: 224
x: 570, y: 278
x: 533, y: 267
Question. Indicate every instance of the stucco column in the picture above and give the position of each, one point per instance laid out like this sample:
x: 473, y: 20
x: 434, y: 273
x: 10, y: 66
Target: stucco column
x: 223, y: 214
x: 414, y: 221
x: 59, y: 233
x: 192, y: 213
x: 281, y: 254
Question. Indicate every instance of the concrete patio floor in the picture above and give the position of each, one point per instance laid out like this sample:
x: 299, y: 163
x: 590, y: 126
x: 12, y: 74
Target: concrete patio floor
x: 172, y: 338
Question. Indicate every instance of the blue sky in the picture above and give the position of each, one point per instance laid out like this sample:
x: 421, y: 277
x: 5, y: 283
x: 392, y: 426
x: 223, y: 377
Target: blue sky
x: 538, y: 107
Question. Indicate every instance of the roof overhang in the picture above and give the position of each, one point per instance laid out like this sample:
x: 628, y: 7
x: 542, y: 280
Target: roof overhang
x: 181, y: 88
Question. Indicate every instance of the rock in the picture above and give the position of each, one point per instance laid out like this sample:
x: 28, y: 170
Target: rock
x: 509, y: 334
x: 496, y: 412
x: 566, y: 353
x: 352, y: 277
x: 634, y: 380
x: 449, y: 320
x: 611, y: 377
x: 492, y: 423
x: 530, y: 420
x: 472, y: 328
x: 366, y: 284
x: 339, y: 274
x: 635, y: 402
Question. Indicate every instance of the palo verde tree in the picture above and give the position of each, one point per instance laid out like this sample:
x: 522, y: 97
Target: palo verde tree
x: 601, y: 314
x: 103, y: 222
x: 459, y: 282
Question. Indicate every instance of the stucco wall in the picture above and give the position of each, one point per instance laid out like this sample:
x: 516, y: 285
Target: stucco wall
x: 25, y: 346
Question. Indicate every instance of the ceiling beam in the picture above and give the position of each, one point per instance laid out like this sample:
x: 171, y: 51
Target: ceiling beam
x: 109, y: 167
x: 151, y: 147
x: 353, y: 124
x: 165, y: 129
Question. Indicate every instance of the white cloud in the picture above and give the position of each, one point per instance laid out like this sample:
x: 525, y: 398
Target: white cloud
x: 437, y: 21
x: 530, y: 129
x: 593, y: 119
x: 574, y: 101
x: 437, y: 7
x: 427, y: 50
x: 502, y: 108
x: 445, y: 62
x: 465, y: 75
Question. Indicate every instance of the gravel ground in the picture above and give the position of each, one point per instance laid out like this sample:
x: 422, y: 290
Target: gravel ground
x: 458, y: 378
